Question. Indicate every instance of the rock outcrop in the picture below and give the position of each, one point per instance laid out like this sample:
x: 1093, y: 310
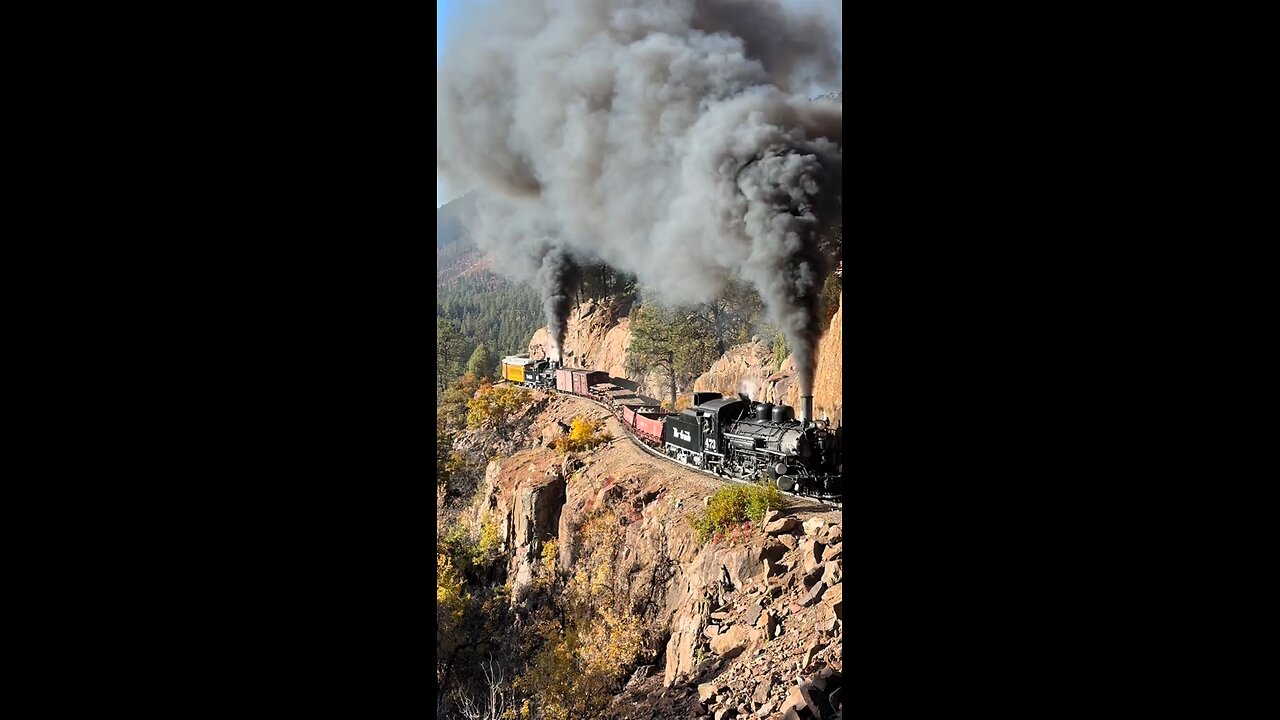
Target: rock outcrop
x: 597, y: 336
x: 749, y: 368
x: 748, y: 627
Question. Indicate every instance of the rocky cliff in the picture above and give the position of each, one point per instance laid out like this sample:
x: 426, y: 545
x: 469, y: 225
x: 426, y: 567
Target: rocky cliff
x: 748, y: 368
x: 748, y: 626
x: 597, y: 337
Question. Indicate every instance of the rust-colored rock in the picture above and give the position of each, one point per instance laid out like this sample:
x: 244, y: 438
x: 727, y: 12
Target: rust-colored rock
x: 707, y: 691
x: 783, y: 525
x: 814, y: 595
x: 831, y: 573
x: 732, y: 642
x: 810, y: 553
x: 833, y: 535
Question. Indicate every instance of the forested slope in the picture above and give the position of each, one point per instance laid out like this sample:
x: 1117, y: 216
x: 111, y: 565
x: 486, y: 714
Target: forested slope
x: 473, y: 304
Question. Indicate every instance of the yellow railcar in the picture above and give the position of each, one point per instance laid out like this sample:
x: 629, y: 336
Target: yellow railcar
x: 514, y: 373
x: 513, y: 368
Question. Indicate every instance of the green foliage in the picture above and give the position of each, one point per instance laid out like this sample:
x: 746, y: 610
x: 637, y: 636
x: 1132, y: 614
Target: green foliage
x: 728, y: 319
x: 780, y: 350
x: 453, y: 406
x: 733, y: 505
x: 584, y: 434
x: 600, y: 281
x: 449, y: 346
x: 488, y: 310
x: 482, y: 363
x: 495, y: 405
x: 472, y: 553
x: 673, y: 340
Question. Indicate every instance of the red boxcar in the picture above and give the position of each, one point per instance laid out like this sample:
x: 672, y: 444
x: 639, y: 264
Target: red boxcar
x: 564, y: 380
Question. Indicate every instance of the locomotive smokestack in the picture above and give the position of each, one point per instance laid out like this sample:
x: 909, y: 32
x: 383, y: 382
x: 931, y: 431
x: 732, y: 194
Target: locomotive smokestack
x: 806, y: 409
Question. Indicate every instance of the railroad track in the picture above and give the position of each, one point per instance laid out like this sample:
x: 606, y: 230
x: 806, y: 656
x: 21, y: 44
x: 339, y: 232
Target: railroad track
x: 836, y: 504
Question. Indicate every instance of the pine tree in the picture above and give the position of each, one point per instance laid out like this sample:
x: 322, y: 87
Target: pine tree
x: 673, y: 340
x: 482, y: 363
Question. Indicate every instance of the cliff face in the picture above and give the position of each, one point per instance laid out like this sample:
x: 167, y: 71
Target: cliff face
x: 751, y: 624
x: 597, y: 337
x: 749, y: 368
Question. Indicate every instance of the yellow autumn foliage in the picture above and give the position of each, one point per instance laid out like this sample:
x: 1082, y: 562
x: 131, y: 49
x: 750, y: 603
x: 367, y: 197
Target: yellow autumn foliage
x: 584, y: 434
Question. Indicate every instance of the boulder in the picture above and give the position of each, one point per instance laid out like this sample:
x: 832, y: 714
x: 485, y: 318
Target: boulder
x: 732, y: 642
x: 833, y: 535
x: 765, y: 709
x: 606, y: 497
x: 770, y: 626
x: 814, y: 595
x: 835, y: 596
x: 772, y: 550
x: 811, y: 653
x: 810, y: 554
x: 761, y: 695
x: 832, y: 552
x: 778, y: 527
x: 813, y: 526
x: 831, y: 573
x: 814, y: 575
x: 789, y: 540
x: 707, y: 691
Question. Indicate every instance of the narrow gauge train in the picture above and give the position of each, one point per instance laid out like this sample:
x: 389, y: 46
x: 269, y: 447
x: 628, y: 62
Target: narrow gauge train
x: 730, y: 436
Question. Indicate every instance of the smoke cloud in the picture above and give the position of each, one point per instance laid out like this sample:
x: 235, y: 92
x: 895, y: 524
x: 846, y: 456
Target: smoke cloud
x: 672, y: 139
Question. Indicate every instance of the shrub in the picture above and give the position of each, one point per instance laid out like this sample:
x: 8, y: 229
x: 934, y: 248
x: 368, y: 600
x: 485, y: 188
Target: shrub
x: 584, y: 434
x: 496, y: 404
x: 550, y: 550
x: 730, y: 506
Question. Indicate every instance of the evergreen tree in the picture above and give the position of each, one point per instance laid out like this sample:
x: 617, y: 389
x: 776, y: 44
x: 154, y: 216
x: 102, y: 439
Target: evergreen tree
x: 482, y: 363
x: 673, y: 340
x: 449, y: 347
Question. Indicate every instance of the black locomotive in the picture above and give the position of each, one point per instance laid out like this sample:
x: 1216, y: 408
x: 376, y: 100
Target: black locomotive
x: 736, y: 438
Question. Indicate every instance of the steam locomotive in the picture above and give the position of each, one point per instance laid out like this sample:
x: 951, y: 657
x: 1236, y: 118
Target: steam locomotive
x: 730, y: 436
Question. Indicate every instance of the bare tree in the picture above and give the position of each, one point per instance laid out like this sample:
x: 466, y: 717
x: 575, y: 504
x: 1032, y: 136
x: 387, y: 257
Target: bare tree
x: 498, y: 700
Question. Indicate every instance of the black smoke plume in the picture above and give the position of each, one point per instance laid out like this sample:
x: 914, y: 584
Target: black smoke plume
x: 558, y: 280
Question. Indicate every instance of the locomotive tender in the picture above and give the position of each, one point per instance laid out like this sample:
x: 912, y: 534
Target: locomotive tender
x: 730, y: 436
